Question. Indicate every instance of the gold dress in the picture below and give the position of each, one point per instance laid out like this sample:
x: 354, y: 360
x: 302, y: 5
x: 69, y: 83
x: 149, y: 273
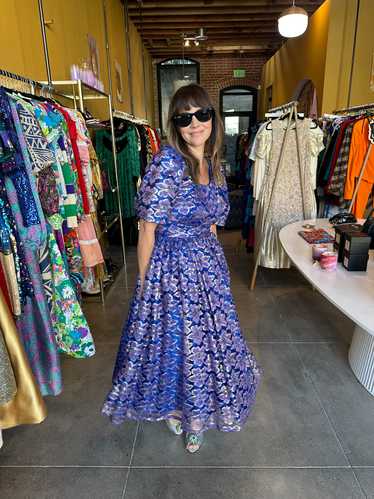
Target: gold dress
x: 27, y: 405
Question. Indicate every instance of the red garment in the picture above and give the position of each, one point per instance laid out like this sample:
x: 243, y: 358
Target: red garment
x: 152, y: 140
x: 73, y: 134
x: 4, y: 288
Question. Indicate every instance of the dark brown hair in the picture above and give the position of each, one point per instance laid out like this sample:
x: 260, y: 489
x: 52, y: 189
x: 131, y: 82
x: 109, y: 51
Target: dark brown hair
x: 185, y: 98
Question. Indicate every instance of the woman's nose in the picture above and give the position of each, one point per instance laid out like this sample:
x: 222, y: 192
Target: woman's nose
x: 194, y: 122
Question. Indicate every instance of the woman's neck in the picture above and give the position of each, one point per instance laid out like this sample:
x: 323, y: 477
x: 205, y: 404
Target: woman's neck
x: 198, y: 152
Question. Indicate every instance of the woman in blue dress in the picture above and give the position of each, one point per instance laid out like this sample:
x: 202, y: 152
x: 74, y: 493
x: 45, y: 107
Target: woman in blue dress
x: 182, y: 357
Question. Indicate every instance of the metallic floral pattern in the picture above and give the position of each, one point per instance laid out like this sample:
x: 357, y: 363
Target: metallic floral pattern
x: 182, y: 351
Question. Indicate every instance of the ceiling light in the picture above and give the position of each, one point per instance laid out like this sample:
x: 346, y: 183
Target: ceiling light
x: 293, y: 22
x: 186, y: 43
x: 197, y: 43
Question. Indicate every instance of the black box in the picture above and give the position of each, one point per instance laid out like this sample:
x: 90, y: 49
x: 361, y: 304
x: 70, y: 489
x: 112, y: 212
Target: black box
x: 340, y: 235
x: 357, y: 243
x: 355, y: 262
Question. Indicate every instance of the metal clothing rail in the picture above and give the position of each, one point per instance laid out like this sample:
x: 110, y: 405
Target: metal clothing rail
x: 283, y: 107
x: 354, y: 108
x: 43, y: 87
x: 33, y: 84
x: 130, y: 117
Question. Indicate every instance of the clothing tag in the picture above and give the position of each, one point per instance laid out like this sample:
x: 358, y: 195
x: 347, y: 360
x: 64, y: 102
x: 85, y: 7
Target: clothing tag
x: 371, y: 130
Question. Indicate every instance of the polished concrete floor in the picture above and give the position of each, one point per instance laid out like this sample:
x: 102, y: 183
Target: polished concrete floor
x: 311, y: 434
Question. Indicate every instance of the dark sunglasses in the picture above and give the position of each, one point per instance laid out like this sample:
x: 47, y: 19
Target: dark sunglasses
x: 185, y: 119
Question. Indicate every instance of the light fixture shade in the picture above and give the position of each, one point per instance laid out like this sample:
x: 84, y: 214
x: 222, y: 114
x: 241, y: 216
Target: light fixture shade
x: 293, y: 22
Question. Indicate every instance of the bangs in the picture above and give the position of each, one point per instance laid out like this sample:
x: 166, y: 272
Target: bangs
x: 190, y: 96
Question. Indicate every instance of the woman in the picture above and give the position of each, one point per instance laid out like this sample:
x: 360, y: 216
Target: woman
x: 182, y: 357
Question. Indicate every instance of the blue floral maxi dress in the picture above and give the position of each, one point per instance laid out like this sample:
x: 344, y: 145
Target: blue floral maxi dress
x: 182, y: 352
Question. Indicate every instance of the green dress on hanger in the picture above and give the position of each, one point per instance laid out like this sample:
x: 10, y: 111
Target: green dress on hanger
x: 128, y: 161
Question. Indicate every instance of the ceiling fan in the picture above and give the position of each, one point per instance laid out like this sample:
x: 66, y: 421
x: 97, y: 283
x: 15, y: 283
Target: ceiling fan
x: 196, y: 39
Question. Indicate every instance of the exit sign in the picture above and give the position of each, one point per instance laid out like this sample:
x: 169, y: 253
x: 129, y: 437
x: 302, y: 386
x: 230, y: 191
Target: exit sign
x: 239, y: 73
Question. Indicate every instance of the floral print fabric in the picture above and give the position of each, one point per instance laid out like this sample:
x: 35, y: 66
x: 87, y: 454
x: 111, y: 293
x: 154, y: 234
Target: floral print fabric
x: 182, y: 351
x: 71, y: 329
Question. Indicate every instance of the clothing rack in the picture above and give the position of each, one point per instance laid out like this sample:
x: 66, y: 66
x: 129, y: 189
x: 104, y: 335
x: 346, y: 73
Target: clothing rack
x: 284, y: 107
x: 32, y: 83
x: 358, y: 109
x: 291, y: 107
x: 130, y: 117
x: 362, y: 107
x: 78, y: 97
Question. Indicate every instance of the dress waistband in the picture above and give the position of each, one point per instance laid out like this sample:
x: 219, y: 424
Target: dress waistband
x: 179, y: 233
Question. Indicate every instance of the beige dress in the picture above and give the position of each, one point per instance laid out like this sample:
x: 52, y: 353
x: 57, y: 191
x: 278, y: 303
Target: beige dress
x: 287, y: 202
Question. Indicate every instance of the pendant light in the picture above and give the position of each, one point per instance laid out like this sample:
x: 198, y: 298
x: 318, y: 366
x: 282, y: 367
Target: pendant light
x: 293, y: 21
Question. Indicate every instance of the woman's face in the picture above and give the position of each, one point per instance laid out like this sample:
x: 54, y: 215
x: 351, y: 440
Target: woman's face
x: 197, y: 133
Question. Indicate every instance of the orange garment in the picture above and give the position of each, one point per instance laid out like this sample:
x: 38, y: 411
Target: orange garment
x: 357, y: 152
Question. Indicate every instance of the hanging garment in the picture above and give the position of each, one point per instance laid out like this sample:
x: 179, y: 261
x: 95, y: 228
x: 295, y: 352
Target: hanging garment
x: 10, y: 243
x: 90, y: 247
x: 34, y: 324
x: 337, y: 180
x: 287, y: 203
x: 73, y: 335
x: 128, y: 162
x: 8, y: 386
x: 182, y: 348
x: 27, y: 406
x: 359, y: 147
x: 40, y: 155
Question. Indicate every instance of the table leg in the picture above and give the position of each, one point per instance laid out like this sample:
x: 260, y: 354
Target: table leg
x: 361, y: 358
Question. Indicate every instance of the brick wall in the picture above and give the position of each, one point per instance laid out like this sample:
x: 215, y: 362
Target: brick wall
x: 217, y: 73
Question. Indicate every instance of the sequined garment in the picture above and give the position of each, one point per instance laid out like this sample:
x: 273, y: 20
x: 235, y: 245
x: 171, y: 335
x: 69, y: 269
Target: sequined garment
x: 182, y: 351
x: 287, y: 202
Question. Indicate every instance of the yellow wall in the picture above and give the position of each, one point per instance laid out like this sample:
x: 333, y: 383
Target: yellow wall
x: 21, y: 49
x: 298, y: 59
x: 349, y: 60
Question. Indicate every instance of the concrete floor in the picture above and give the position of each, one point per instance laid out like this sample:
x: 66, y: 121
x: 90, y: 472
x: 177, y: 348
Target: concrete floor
x: 311, y: 434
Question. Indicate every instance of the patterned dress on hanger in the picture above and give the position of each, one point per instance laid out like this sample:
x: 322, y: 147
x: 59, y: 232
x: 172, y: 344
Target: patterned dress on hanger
x: 287, y: 202
x: 182, y: 351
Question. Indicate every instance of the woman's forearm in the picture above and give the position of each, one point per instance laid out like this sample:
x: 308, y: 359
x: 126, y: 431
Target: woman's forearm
x: 145, y: 246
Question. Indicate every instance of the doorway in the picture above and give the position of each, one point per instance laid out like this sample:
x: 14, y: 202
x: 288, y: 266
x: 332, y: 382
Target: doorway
x: 238, y: 106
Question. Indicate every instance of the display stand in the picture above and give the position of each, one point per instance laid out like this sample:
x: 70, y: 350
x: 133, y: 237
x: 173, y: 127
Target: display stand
x: 291, y: 108
x: 80, y: 92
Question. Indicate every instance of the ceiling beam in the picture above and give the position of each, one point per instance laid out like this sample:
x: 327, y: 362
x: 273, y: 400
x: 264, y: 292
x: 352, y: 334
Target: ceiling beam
x: 206, y: 11
x: 216, y: 3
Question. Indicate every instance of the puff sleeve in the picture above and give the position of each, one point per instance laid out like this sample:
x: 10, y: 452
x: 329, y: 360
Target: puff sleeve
x: 159, y: 187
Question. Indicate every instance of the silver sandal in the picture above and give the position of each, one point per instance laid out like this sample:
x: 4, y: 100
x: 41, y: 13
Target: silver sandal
x: 193, y: 442
x: 174, y: 425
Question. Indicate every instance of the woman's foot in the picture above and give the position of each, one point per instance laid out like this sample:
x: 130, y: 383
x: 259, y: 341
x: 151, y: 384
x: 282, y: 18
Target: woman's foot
x: 193, y: 442
x: 174, y: 425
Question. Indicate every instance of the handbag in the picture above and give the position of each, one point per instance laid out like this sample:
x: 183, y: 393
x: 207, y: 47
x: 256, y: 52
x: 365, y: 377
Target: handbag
x: 368, y: 227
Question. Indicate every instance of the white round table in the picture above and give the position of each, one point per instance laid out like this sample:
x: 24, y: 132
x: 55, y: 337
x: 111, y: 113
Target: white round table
x: 350, y: 292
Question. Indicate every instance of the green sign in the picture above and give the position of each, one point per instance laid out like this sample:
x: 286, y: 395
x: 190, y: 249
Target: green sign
x: 239, y: 73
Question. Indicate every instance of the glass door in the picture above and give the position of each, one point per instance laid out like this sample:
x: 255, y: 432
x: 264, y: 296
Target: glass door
x: 238, y: 111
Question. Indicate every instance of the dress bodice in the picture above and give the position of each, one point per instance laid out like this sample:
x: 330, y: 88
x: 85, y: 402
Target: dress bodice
x: 169, y: 197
